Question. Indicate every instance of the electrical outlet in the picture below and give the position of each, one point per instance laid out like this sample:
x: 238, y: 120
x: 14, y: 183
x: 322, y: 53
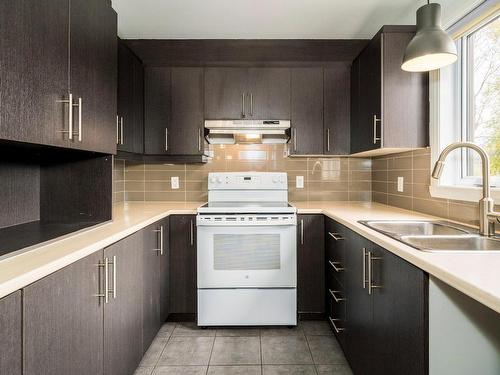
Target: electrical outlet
x: 299, y: 182
x: 174, y: 182
x: 401, y: 181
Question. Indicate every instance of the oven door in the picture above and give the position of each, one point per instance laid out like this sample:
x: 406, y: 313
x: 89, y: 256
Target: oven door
x: 247, y: 254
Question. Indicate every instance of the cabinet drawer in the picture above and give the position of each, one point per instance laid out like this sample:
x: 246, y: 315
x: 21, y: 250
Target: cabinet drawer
x: 336, y: 309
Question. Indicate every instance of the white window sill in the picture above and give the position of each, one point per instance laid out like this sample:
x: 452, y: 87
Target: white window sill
x: 461, y: 193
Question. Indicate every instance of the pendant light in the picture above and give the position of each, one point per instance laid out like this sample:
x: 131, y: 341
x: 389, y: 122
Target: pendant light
x: 431, y: 48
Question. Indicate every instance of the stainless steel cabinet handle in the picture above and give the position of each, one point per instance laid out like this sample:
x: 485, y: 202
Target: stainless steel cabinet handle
x: 79, y: 105
x: 117, y: 129
x: 121, y: 130
x: 251, y: 104
x: 335, y: 264
x: 337, y: 299
x: 301, y: 231
x: 336, y: 236
x: 192, y: 232
x: 375, y: 120
x: 294, y: 134
x: 328, y: 140
x: 166, y: 139
x: 160, y: 248
x: 106, y: 280
x: 364, y: 267
x: 68, y: 101
x: 199, y: 139
x: 371, y: 258
x: 337, y: 329
x: 99, y: 294
x: 112, y: 291
x: 243, y: 105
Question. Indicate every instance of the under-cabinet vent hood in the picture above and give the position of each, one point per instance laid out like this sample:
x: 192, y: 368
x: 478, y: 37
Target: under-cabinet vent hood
x: 229, y: 132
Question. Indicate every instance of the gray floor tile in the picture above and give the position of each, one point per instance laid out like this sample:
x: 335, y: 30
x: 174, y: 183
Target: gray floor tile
x: 166, y: 330
x: 334, y: 370
x: 154, y: 351
x: 234, y: 370
x: 284, y: 350
x: 187, y: 351
x: 326, y: 350
x: 236, y: 351
x: 288, y: 370
x: 316, y: 327
x: 282, y: 331
x: 191, y: 329
x: 237, y: 332
x: 180, y: 370
x: 143, y: 371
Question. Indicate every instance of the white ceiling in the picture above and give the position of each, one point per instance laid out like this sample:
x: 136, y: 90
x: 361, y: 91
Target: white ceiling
x: 263, y: 19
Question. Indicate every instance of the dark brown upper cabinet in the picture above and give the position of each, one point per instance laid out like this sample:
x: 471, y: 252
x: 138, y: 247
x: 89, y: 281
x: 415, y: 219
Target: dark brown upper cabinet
x: 174, y: 111
x: 130, y: 117
x: 51, y: 53
x: 389, y: 103
x: 307, y: 111
x: 247, y: 93
x: 337, y: 109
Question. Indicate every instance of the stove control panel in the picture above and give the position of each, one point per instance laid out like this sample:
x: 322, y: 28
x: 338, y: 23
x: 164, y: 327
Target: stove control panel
x: 247, y: 181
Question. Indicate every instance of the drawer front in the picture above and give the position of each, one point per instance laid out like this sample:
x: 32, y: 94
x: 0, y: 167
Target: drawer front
x: 336, y: 241
x: 336, y: 307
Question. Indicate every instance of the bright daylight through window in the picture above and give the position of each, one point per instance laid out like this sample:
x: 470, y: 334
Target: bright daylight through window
x: 469, y: 104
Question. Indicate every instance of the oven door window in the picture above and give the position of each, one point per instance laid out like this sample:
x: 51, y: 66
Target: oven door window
x: 246, y: 251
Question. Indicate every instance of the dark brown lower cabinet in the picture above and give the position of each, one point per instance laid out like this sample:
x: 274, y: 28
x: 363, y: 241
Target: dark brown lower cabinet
x: 183, y: 264
x: 152, y: 251
x: 165, y: 271
x: 123, y: 314
x: 63, y: 321
x: 11, y: 334
x: 310, y: 264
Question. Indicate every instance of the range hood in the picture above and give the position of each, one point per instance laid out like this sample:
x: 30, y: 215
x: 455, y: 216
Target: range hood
x: 230, y: 132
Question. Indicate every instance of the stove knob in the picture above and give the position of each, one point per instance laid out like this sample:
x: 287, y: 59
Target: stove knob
x: 213, y: 180
x: 219, y: 180
x: 282, y: 179
x: 275, y: 180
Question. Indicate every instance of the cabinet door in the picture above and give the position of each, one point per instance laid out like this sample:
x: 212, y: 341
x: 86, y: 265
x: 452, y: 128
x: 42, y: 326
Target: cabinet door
x: 269, y: 94
x: 359, y: 337
x: 165, y: 272
x: 337, y: 109
x: 307, y: 111
x: 157, y: 110
x: 183, y: 264
x: 225, y: 93
x: 399, y: 316
x: 151, y: 285
x: 310, y: 264
x: 123, y: 314
x: 11, y: 334
x: 34, y: 70
x: 187, y: 118
x: 354, y: 107
x: 366, y: 135
x: 63, y: 321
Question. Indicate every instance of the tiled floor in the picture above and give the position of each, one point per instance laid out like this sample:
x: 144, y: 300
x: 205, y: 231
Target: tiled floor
x: 184, y: 349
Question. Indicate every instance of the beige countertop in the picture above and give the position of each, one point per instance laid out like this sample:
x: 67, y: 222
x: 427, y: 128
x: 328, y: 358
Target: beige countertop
x: 476, y: 275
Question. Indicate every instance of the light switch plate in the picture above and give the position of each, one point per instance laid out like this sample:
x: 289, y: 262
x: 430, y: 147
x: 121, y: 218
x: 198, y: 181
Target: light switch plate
x: 401, y: 181
x: 174, y: 182
x: 299, y: 182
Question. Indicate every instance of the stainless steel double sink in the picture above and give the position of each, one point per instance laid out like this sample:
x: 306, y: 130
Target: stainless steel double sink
x: 435, y: 236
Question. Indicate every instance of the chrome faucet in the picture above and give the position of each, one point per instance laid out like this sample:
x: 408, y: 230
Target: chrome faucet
x: 487, y: 216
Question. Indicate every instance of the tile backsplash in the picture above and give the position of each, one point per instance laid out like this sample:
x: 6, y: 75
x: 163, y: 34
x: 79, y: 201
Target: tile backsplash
x: 329, y: 179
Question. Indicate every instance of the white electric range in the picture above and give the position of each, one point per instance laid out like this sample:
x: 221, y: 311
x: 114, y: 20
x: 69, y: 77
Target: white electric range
x: 247, y: 254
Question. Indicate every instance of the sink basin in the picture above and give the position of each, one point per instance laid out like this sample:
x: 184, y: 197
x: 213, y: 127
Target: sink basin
x: 415, y: 228
x: 453, y: 243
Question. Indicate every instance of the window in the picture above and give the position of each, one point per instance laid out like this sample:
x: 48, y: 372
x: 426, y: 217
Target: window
x: 467, y: 97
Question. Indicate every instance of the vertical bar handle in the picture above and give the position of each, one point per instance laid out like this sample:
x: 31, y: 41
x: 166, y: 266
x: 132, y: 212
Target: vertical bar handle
x: 364, y: 267
x: 243, y: 105
x: 79, y: 105
x: 294, y: 134
x: 106, y: 280
x: 117, y: 129
x: 328, y: 139
x: 302, y: 231
x: 191, y: 232
x: 251, y: 105
x: 375, y: 138
x: 371, y: 286
x: 160, y: 249
x: 121, y: 130
x: 112, y: 291
x: 199, y: 139
x: 69, y: 101
x: 166, y: 139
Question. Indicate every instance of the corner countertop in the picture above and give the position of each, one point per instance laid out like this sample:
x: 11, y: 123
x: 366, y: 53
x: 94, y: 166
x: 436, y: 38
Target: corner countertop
x: 476, y: 275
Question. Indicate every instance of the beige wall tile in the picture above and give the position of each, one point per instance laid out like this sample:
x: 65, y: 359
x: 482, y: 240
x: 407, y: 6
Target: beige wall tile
x: 431, y: 207
x: 421, y: 176
x: 360, y: 186
x: 164, y: 175
x: 134, y: 196
x: 360, y: 196
x: 399, y: 201
x: 119, y: 186
x: 164, y: 186
x: 400, y: 163
x: 380, y: 187
x: 134, y: 186
x: 164, y: 167
x: 327, y: 186
x: 360, y: 164
x: 380, y: 176
x: 393, y: 175
x: 392, y: 188
x: 422, y: 161
x: 328, y: 196
x: 360, y: 175
x: 177, y: 196
x: 133, y: 166
x: 196, y: 196
x: 379, y: 164
x: 379, y: 197
x: 466, y: 213
x: 297, y: 195
x: 134, y: 175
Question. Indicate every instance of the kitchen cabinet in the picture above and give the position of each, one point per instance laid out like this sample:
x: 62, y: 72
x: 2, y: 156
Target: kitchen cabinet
x: 63, y: 321
x: 151, y: 288
x: 130, y: 120
x: 165, y: 270
x: 307, y: 111
x: 11, y: 334
x: 183, y: 267
x: 123, y: 314
x: 51, y: 52
x: 389, y: 102
x: 247, y: 93
x: 337, y: 86
x: 310, y: 265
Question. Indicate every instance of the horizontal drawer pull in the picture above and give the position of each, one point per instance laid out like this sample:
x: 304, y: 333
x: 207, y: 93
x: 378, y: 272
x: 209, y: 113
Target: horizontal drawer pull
x: 336, y: 236
x: 335, y: 264
x: 337, y: 329
x: 337, y: 299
